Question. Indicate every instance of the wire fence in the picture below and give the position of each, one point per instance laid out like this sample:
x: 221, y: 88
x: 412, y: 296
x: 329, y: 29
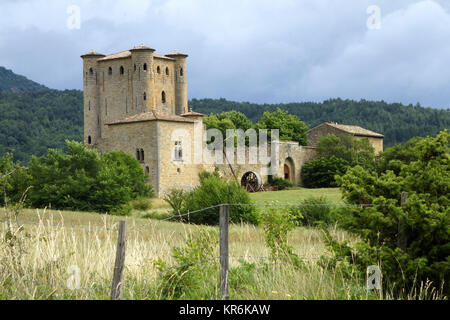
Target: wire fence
x: 222, y: 215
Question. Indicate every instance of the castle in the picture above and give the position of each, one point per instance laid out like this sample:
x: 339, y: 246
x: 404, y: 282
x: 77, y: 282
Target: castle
x: 136, y: 101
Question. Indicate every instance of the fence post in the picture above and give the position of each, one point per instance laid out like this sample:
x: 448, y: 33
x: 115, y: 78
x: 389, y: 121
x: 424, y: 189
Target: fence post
x: 117, y: 284
x: 401, y: 236
x: 223, y: 222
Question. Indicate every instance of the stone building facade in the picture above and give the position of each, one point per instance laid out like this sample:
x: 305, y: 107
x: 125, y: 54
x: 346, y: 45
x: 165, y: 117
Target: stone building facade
x: 136, y: 101
x: 314, y: 134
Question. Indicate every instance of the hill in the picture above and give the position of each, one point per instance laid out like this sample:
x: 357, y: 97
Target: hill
x: 32, y: 122
x: 9, y: 81
x: 397, y: 122
x: 34, y: 118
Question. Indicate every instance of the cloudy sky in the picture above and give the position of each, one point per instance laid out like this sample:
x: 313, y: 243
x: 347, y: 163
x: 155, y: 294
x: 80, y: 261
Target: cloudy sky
x: 247, y: 50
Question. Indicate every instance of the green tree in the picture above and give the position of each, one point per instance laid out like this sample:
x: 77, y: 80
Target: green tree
x: 353, y: 151
x: 424, y: 221
x: 321, y: 172
x: 290, y: 126
x: 82, y: 180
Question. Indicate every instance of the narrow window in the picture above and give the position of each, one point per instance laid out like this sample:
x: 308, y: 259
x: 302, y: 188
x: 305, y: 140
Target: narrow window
x: 138, y: 154
x: 142, y: 155
x: 106, y: 106
x: 134, y: 67
x: 181, y: 72
x: 89, y: 105
x: 147, y: 169
x: 110, y: 71
x: 89, y: 140
x: 167, y: 71
x: 145, y: 96
x: 91, y: 71
x: 145, y: 67
x: 178, y: 151
x: 158, y: 70
x: 163, y: 97
x: 122, y: 70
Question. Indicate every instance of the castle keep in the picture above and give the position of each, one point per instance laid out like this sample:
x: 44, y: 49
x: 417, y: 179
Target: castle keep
x: 136, y: 101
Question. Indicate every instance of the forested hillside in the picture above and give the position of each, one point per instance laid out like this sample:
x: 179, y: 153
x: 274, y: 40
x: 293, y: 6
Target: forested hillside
x: 32, y: 122
x: 397, y: 122
x: 34, y: 118
x: 9, y: 81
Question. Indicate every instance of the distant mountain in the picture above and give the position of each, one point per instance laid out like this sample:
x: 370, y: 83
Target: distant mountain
x: 397, y: 122
x: 34, y: 118
x: 9, y: 81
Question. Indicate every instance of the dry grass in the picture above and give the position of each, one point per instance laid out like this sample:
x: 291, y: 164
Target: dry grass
x: 36, y: 266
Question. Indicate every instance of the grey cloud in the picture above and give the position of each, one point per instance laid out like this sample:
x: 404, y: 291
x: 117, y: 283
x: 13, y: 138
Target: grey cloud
x: 261, y: 51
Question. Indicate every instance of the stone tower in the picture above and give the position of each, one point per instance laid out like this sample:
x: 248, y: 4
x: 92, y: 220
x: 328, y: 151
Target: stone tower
x: 129, y: 83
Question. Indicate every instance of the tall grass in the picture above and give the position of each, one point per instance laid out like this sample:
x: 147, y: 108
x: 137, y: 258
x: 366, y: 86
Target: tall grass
x: 57, y: 240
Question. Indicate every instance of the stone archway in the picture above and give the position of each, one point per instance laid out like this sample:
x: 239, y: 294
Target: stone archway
x: 289, y: 170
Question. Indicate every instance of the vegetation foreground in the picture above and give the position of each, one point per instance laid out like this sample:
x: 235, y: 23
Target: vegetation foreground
x: 58, y: 247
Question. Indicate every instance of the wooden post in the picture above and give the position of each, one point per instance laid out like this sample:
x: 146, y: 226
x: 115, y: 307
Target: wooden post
x: 117, y: 284
x: 401, y: 236
x: 223, y: 222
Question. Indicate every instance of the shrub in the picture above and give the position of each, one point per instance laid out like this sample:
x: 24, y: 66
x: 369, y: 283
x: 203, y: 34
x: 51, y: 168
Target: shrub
x: 214, y: 191
x: 313, y: 212
x: 280, y: 183
x: 176, y: 198
x: 321, y: 172
x: 192, y: 265
x: 277, y: 222
x: 141, y: 204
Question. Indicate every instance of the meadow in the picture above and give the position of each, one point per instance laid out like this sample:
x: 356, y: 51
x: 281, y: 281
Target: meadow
x: 55, y: 249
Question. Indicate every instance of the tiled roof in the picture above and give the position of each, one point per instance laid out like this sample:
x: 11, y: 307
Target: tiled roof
x: 93, y: 54
x: 193, y: 114
x: 150, y: 116
x: 354, y: 130
x: 160, y: 56
x: 118, y: 55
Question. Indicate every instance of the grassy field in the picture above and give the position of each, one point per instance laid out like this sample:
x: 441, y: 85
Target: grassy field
x: 294, y: 196
x: 41, y: 261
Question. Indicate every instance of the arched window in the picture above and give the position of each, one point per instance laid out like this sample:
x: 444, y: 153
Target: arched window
x: 138, y: 154
x: 145, y: 67
x: 163, y: 97
x: 142, y: 155
x: 145, y: 96
x: 110, y: 71
x: 91, y: 71
x: 181, y: 72
x: 158, y: 69
x: 147, y: 169
x: 122, y: 70
x: 167, y: 71
x: 89, y: 140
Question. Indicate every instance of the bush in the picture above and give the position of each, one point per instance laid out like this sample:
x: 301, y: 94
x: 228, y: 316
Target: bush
x: 313, y: 212
x: 214, y: 191
x: 141, y: 204
x: 321, y: 172
x: 280, y: 183
x: 192, y: 265
x: 82, y: 180
x: 277, y: 222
